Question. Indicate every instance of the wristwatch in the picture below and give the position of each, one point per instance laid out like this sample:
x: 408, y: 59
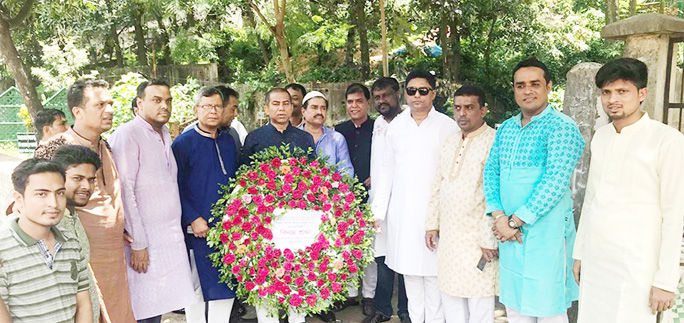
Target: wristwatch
x: 512, y: 223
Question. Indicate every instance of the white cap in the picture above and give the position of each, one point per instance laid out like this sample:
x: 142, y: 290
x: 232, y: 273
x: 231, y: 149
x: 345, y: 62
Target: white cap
x: 311, y: 95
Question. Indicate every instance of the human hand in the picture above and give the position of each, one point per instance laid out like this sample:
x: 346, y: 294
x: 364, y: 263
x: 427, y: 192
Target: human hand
x: 576, y: 266
x: 200, y: 227
x: 489, y: 254
x: 367, y: 183
x: 660, y: 300
x: 431, y: 239
x: 504, y: 233
x: 139, y: 260
x: 127, y: 239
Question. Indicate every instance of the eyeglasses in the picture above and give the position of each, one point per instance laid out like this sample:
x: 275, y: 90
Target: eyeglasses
x: 210, y: 107
x: 422, y: 90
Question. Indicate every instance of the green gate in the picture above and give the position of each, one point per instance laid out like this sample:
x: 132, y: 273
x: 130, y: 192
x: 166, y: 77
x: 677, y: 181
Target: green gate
x: 10, y: 123
x: 58, y: 101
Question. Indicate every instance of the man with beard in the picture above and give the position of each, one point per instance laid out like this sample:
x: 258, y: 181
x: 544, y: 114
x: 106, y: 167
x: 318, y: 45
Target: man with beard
x: 297, y: 93
x: 103, y: 217
x: 158, y: 272
x: 387, y: 100
x: 81, y: 165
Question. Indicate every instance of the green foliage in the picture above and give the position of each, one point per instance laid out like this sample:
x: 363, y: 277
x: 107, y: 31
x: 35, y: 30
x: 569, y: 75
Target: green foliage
x: 191, y: 48
x: 184, y: 100
x: 62, y: 64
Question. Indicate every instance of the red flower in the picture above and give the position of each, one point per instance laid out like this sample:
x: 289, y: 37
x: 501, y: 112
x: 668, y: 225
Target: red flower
x: 350, y: 197
x: 243, y: 212
x: 296, y: 171
x: 357, y: 238
x: 262, y: 292
x: 327, y: 207
x: 235, y: 270
x: 287, y: 188
x: 344, y: 187
x: 268, y: 234
x: 287, y: 266
x: 253, y: 175
x: 302, y: 186
x: 226, y: 225
x: 357, y: 253
x: 261, y: 181
x: 302, y: 204
x: 254, y: 235
x: 316, y: 180
x: 346, y: 207
x: 302, y: 160
x: 314, y: 164
x: 306, y: 174
x: 322, y: 198
x: 343, y: 277
x: 320, y: 283
x: 336, y: 176
x: 325, y: 293
x: 362, y: 223
x: 311, y: 276
x: 292, y: 161
x: 289, y: 255
x: 275, y: 162
x: 297, y: 194
x: 325, y: 171
x: 247, y: 226
x: 336, y: 287
x: 264, y: 167
x: 236, y: 236
x: 271, y: 185
x: 346, y: 255
x: 271, y: 174
x: 252, y: 190
x: 353, y: 269
x: 232, y: 246
x: 243, y: 183
x: 249, y: 285
x: 261, y: 209
x: 311, y: 300
x: 310, y: 197
x: 269, y: 199
x: 224, y: 238
x: 229, y: 258
x: 296, y: 300
x: 332, y: 277
x: 292, y: 204
x: 336, y: 198
x: 299, y: 281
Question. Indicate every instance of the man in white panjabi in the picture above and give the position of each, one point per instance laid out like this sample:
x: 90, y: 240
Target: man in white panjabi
x: 456, y: 224
x: 413, y: 142
x: 628, y: 243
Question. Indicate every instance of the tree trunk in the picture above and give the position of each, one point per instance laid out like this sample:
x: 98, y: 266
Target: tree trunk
x: 632, y: 8
x: 351, y: 46
x: 18, y: 70
x: 443, y: 41
x: 284, y: 55
x: 141, y: 52
x: 114, y: 37
x: 363, y: 39
x: 455, y: 44
x: 488, y: 49
x: 166, y: 46
x: 248, y: 16
x: 383, y: 31
x: 611, y: 11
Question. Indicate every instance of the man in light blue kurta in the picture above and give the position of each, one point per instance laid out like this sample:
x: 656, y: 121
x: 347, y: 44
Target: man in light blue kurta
x: 527, y: 190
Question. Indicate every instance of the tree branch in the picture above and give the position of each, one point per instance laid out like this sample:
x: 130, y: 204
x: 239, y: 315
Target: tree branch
x: 261, y: 16
x: 25, y: 10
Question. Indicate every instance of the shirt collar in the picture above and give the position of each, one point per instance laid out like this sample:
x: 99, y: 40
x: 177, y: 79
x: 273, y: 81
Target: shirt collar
x: 363, y: 124
x: 139, y: 120
x: 82, y: 140
x: 287, y: 129
x: 544, y: 112
x: 635, y: 126
x: 478, y: 131
x: 204, y: 133
x: 26, y: 239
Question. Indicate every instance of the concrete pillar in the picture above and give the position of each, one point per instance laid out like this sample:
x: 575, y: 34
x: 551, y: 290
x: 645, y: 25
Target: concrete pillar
x: 647, y: 38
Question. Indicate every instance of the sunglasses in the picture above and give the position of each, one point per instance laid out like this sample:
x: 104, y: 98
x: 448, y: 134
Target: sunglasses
x: 422, y: 90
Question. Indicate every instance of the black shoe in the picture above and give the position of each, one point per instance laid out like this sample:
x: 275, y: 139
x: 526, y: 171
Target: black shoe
x: 377, y: 317
x: 180, y: 311
x: 405, y: 319
x: 328, y: 316
x: 368, y: 306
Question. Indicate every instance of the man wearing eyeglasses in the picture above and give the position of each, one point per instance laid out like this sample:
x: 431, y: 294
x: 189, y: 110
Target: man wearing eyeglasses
x: 402, y: 192
x: 527, y: 191
x: 206, y: 158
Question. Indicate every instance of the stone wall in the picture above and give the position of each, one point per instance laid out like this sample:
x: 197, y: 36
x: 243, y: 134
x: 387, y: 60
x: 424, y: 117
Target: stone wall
x: 206, y: 74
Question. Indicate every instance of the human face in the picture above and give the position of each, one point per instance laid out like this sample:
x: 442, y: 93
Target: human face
x: 96, y: 112
x: 315, y: 111
x: 531, y: 90
x: 209, y: 112
x: 230, y: 107
x: 43, y: 201
x: 296, y: 97
x: 357, y: 106
x: 59, y: 125
x: 621, y: 100
x: 80, y: 183
x: 468, y: 113
x: 417, y: 101
x: 155, y: 106
x: 387, y: 102
x: 279, y: 108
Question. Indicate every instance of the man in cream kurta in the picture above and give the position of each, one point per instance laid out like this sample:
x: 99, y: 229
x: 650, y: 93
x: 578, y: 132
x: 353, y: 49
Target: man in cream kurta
x: 414, y: 139
x: 456, y: 214
x: 628, y: 243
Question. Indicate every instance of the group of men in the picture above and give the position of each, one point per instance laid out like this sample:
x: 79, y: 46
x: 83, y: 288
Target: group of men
x: 115, y: 231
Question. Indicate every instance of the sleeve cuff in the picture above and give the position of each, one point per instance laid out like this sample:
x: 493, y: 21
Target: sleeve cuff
x: 492, y: 207
x: 526, y: 215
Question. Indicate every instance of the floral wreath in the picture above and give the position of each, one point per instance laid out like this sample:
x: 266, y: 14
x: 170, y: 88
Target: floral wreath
x: 306, y: 280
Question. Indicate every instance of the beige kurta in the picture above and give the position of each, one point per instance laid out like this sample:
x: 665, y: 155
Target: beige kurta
x: 103, y: 220
x: 457, y: 210
x: 631, y: 223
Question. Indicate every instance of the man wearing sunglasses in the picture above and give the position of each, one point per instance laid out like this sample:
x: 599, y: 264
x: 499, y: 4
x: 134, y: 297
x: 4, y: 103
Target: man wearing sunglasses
x: 527, y: 191
x: 402, y: 192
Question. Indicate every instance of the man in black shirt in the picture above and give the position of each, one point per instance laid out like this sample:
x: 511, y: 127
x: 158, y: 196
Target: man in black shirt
x: 278, y: 131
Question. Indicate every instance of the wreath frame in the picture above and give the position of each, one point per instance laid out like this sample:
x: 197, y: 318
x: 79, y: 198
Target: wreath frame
x: 304, y: 281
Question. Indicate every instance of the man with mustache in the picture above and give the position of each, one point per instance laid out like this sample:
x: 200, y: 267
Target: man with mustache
x: 387, y: 100
x: 628, y: 242
x: 206, y: 158
x: 527, y: 189
x: 456, y: 223
x: 81, y: 165
x: 158, y: 272
x: 297, y: 93
x: 103, y: 217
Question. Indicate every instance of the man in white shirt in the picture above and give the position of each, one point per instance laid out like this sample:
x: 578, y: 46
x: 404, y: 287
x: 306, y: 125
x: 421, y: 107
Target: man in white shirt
x: 628, y: 244
x: 403, y: 187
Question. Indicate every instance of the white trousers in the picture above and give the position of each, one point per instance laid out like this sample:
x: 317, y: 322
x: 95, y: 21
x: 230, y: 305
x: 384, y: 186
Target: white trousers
x: 217, y: 311
x: 424, y: 299
x: 368, y: 283
x: 264, y: 317
x: 468, y: 310
x: 515, y: 317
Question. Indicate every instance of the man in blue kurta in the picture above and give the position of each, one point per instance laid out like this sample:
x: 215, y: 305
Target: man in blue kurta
x: 527, y: 190
x: 206, y: 158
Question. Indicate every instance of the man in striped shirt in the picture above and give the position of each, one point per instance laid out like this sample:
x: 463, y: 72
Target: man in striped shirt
x: 43, y: 277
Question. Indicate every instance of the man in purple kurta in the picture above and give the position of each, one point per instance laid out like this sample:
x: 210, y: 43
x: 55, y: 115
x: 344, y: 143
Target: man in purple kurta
x: 159, y: 270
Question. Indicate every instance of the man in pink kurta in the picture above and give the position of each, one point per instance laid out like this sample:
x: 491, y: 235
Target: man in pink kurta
x: 159, y: 270
x: 103, y: 216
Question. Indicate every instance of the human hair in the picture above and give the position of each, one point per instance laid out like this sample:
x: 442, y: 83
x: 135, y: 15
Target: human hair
x: 227, y: 92
x: 44, y: 118
x: 533, y: 62
x: 357, y: 88
x: 628, y: 69
x: 468, y: 90
x: 275, y: 90
x: 134, y: 105
x: 385, y: 82
x: 75, y: 94
x: 72, y: 155
x: 140, y: 91
x: 207, y: 91
x: 33, y: 166
x: 297, y: 87
x: 421, y: 74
